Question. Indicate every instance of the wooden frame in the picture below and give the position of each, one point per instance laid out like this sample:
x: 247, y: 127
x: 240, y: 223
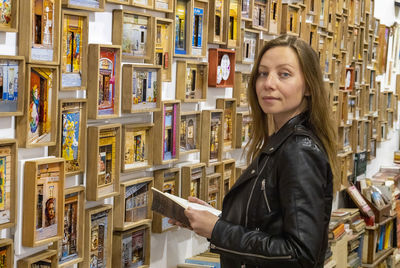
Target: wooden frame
x: 193, y: 180
x: 216, y: 22
x: 247, y: 10
x: 260, y: 14
x: 149, y: 4
x: 77, y: 4
x: 243, y: 129
x: 120, y: 2
x: 200, y: 29
x: 249, y: 48
x: 139, y: 27
x: 227, y: 169
x: 74, y: 216
x: 102, y: 179
x: 165, y: 180
x: 43, y: 220
x: 164, y: 45
x: 193, y: 79
x: 9, y: 21
x: 137, y: 244
x: 132, y: 207
x: 105, y: 66
x: 190, y: 129
x: 164, y: 5
x: 183, y: 10
x: 12, y: 98
x: 233, y: 23
x: 211, y: 147
x: 99, y: 226
x: 213, y: 187
x: 290, y: 23
x: 7, y: 252
x: 221, y: 67
x: 38, y: 128
x: 71, y: 136
x: 40, y: 258
x: 229, y: 125
x: 74, y: 49
x: 137, y: 146
x: 242, y: 81
x: 166, y: 148
x: 135, y: 87
x: 8, y: 186
x: 43, y: 47
x: 275, y: 12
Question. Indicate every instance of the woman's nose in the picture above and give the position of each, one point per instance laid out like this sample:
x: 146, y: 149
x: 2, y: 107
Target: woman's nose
x: 270, y: 81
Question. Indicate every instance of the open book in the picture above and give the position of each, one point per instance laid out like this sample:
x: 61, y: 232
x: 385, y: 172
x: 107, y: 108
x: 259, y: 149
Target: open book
x: 173, y: 206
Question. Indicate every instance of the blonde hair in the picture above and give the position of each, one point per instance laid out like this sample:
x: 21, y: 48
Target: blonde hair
x: 320, y: 120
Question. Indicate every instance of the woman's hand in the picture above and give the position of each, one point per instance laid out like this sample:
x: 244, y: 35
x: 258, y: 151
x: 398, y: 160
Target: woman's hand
x: 201, y: 221
x: 198, y: 201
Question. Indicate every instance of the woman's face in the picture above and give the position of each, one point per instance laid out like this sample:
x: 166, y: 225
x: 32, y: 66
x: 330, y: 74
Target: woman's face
x: 280, y: 85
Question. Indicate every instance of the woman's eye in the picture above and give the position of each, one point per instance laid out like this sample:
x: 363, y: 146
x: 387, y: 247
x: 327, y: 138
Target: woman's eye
x: 262, y: 74
x: 284, y: 74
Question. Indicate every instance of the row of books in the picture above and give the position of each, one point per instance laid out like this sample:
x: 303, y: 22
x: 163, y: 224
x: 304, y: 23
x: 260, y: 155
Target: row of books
x: 202, y: 260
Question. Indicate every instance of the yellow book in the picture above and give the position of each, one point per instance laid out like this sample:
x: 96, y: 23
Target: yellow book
x: 387, y: 241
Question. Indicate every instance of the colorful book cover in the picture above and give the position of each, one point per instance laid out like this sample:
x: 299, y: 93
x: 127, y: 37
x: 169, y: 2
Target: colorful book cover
x: 108, y: 59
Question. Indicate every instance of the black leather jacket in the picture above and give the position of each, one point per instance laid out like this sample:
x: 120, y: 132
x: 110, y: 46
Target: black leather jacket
x: 277, y: 213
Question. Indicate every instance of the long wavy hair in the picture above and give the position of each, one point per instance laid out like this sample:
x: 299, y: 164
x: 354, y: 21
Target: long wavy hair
x: 320, y: 119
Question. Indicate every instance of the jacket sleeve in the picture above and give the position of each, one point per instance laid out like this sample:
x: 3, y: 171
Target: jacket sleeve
x: 303, y: 177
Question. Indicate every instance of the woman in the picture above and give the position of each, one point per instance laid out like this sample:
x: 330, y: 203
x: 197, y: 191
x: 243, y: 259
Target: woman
x: 277, y: 213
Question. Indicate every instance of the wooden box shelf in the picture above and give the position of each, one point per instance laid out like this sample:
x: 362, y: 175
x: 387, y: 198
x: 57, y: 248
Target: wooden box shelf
x: 10, y: 13
x: 193, y: 180
x: 216, y: 23
x: 193, y: 79
x: 132, y: 246
x: 43, y: 197
x: 163, y: 51
x: 132, y: 207
x: 38, y: 127
x: 275, y: 13
x: 103, y: 81
x: 141, y: 88
x: 137, y: 146
x: 97, y: 6
x: 260, y: 15
x: 149, y: 4
x: 71, y: 138
x: 183, y: 27
x: 221, y: 67
x: 213, y: 187
x: 250, y: 46
x: 167, y: 181
x: 13, y: 76
x: 40, y: 40
x: 98, y: 236
x: 200, y: 29
x: 47, y: 258
x: 243, y: 129
x: 242, y: 80
x: 166, y: 139
x: 190, y: 129
x: 164, y: 5
x: 233, y: 23
x: 102, y: 179
x: 247, y: 10
x: 74, y: 49
x: 211, y: 146
x: 290, y: 23
x: 229, y: 123
x: 227, y: 169
x: 7, y: 252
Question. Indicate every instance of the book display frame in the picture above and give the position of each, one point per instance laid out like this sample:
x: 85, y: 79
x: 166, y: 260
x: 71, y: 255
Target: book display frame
x: 227, y: 169
x: 71, y: 135
x: 261, y: 13
x: 130, y: 150
x: 233, y: 23
x: 228, y: 105
x: 213, y: 187
x: 103, y: 164
x: 290, y: 23
x: 33, y: 232
x: 19, y: 91
x: 243, y: 129
x: 74, y: 40
x: 194, y: 74
x: 43, y: 47
x: 74, y: 5
x: 199, y: 35
x: 7, y: 251
x: 94, y: 237
x: 211, y: 137
x: 193, y: 180
x: 183, y: 34
x: 189, y: 141
x: 12, y: 15
x: 128, y: 204
x: 249, y: 48
x: 48, y: 254
x: 165, y: 180
x: 34, y: 125
x: 221, y: 67
x: 164, y: 46
x: 246, y: 11
x: 216, y: 22
x: 141, y: 74
x: 142, y: 4
x: 164, y: 6
x: 275, y: 12
x: 121, y: 2
x: 242, y: 80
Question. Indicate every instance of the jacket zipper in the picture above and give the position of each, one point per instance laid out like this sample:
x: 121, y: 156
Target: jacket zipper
x: 251, y: 255
x: 265, y: 195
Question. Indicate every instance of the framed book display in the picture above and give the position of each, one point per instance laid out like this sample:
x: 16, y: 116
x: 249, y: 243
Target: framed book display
x: 183, y: 28
x: 213, y: 190
x: 136, y: 37
x: 41, y: 39
x: 349, y: 79
x: 233, y: 23
x: 132, y: 248
x: 164, y: 47
x: 9, y: 11
x: 8, y: 171
x: 242, y: 80
x: 46, y: 258
x: 98, y: 237
x: 167, y: 181
x: 103, y: 167
x: 221, y: 67
x: 229, y: 122
x: 43, y: 197
x: 141, y: 88
x: 249, y: 47
x: 149, y: 4
x: 91, y: 5
x: 71, y: 139
x: 190, y: 127
x: 6, y: 252
x: 246, y: 10
x: 166, y: 138
x: 216, y: 23
x: 137, y: 147
x: 290, y: 19
x: 74, y: 49
x: 133, y: 207
x: 211, y: 146
x: 227, y: 169
x: 344, y: 134
x: 243, y: 129
x: 38, y: 127
x: 103, y: 84
x: 12, y: 81
x: 71, y: 247
x: 200, y: 28
x: 193, y: 180
x: 194, y: 74
x: 122, y: 2
x: 260, y: 15
x: 275, y: 11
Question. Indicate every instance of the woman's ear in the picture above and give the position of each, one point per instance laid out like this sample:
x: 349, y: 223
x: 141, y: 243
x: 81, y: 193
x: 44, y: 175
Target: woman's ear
x: 307, y: 93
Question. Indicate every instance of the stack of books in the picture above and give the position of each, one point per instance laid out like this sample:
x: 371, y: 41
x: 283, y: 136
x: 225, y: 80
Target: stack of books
x: 202, y: 260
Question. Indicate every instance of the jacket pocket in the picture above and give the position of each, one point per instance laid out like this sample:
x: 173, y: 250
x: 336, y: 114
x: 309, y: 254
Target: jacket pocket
x: 264, y: 192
